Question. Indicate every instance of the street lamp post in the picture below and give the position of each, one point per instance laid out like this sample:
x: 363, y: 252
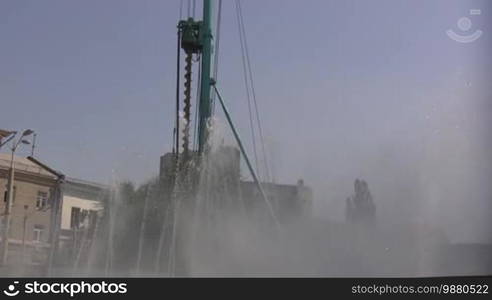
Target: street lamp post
x: 6, y: 134
x: 24, y: 227
x: 10, y: 196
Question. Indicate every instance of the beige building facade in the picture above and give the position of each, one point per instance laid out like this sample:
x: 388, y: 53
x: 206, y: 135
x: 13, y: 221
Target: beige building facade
x: 31, y: 209
x: 32, y: 215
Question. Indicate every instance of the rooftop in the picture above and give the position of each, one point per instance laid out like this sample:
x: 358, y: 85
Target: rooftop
x: 22, y: 164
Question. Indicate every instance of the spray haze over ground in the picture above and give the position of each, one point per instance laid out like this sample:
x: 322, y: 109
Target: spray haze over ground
x: 349, y: 89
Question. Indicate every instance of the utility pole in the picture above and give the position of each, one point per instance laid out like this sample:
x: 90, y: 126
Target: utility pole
x: 8, y: 208
x: 24, y: 227
x: 56, y: 206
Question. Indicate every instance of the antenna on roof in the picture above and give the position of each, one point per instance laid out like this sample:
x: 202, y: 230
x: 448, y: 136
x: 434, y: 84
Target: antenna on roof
x: 33, y: 144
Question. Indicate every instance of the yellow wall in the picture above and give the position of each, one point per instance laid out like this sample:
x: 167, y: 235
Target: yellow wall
x: 26, y: 194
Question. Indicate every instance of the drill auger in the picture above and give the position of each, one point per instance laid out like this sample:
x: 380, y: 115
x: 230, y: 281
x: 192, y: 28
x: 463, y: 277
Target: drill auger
x: 190, y: 43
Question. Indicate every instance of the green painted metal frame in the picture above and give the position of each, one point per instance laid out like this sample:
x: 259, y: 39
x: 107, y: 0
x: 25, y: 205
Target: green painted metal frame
x: 245, y: 155
x: 205, y: 106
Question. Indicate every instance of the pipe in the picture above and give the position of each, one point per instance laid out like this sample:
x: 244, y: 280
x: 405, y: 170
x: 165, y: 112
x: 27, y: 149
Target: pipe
x: 246, y: 159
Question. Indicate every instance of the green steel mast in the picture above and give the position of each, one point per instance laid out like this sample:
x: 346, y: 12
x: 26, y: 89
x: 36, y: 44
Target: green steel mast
x: 206, y: 60
x: 196, y: 38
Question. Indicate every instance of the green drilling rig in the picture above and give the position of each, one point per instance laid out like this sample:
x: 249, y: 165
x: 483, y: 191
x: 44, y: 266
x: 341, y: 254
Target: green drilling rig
x: 196, y: 41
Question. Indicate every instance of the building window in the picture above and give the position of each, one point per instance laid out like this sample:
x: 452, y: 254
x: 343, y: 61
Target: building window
x: 38, y: 233
x: 75, y: 218
x: 41, y: 200
x: 6, y: 195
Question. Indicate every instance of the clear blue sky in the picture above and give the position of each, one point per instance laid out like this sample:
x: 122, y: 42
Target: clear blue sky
x: 371, y: 89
